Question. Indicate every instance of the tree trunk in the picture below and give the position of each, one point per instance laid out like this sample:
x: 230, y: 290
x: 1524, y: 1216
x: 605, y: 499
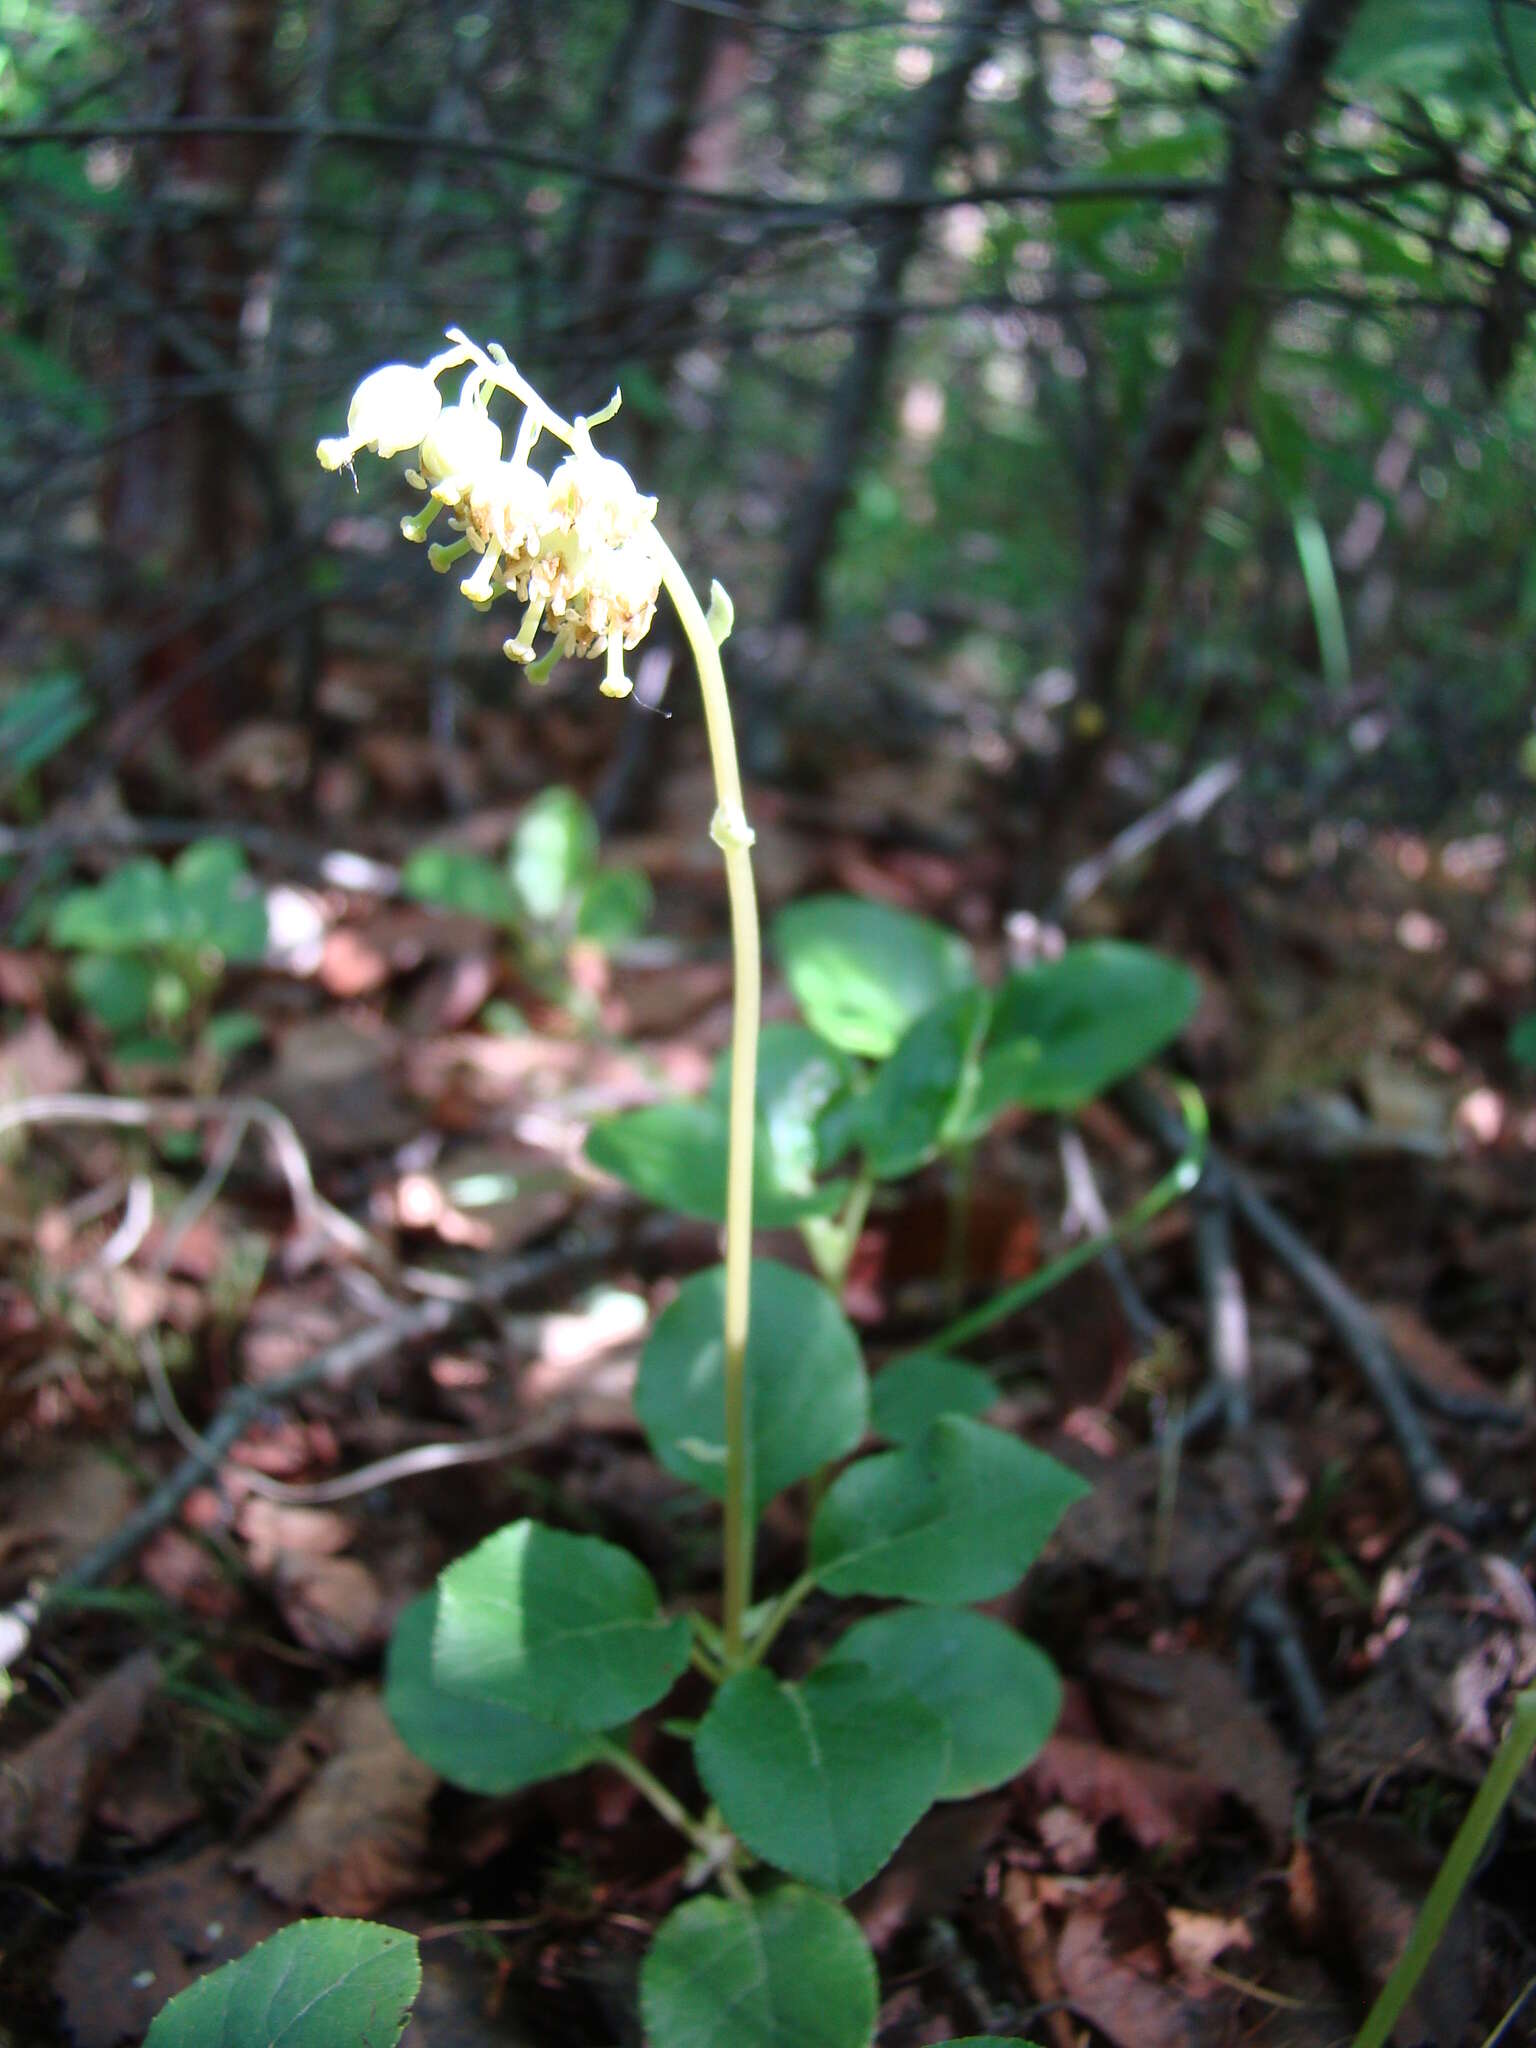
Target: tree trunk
x: 1245, y: 237
x: 851, y: 408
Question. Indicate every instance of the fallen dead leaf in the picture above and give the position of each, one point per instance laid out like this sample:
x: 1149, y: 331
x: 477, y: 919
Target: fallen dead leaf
x: 1428, y: 1357
x: 48, y: 1790
x: 332, y: 1604
x: 1190, y: 1709
x: 145, y: 1940
x: 188, y: 1574
x: 1196, y: 1940
x: 34, y: 1060
x: 59, y: 1506
x: 936, y: 1863
x: 1365, y: 1881
x: 1160, y: 1806
x: 355, y: 1835
x: 269, y: 1527
x: 1114, y: 1975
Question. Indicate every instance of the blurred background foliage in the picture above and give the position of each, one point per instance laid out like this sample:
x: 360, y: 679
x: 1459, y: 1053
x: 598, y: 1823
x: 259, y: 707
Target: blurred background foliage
x: 981, y: 349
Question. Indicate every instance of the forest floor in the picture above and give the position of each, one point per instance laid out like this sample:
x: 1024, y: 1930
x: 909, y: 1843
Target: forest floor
x: 1288, y: 1652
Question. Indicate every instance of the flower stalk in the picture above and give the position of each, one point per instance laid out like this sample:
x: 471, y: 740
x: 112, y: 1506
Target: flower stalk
x: 580, y: 553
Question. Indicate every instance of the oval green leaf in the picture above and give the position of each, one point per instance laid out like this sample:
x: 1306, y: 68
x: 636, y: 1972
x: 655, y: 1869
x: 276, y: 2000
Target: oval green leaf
x: 1064, y: 1032
x: 567, y: 1629
x: 911, y: 1392
x: 553, y: 853
x: 862, y: 972
x: 921, y: 1097
x: 807, y: 1391
x: 474, y: 1743
x: 317, y: 1984
x: 676, y: 1155
x: 463, y: 882
x: 997, y: 1694
x: 786, y: 1969
x: 958, y: 1516
x: 825, y: 1777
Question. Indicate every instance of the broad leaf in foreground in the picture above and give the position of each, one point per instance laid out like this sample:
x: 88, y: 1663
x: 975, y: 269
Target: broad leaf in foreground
x: 784, y: 1969
x: 958, y: 1516
x: 567, y: 1629
x: 317, y: 1984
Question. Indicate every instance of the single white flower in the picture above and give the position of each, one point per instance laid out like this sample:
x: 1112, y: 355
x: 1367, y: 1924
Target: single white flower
x: 392, y: 409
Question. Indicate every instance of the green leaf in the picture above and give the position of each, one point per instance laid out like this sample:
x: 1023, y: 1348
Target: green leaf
x: 824, y: 1777
x: 798, y: 1076
x: 785, y: 1969
x: 914, y: 1391
x: 1064, y: 1032
x: 462, y: 882
x: 554, y: 852
x: 317, y: 1984
x: 115, y: 988
x: 39, y: 718
x: 997, y: 1694
x: 920, y: 1097
x: 216, y: 902
x: 862, y: 972
x: 958, y: 1516
x: 1443, y: 48
x: 232, y: 1031
x: 567, y: 1629
x: 615, y: 907
x: 475, y: 1743
x: 1522, y: 1040
x: 807, y: 1392
x: 129, y: 912
x: 676, y: 1153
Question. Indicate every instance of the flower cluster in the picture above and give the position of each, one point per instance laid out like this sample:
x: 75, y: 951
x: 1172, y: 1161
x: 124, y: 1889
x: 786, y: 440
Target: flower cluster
x: 575, y: 548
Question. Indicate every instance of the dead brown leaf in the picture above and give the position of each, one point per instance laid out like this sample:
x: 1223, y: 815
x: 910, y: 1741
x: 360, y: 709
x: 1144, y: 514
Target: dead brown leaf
x: 1190, y: 1709
x: 332, y: 1604
x: 145, y: 1940
x: 1159, y: 1805
x: 48, y: 1790
x: 58, y: 1506
x: 355, y: 1835
x: 1113, y: 1969
x: 1366, y: 1880
x: 34, y: 1060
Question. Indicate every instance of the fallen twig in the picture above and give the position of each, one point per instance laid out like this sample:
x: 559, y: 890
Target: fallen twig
x: 1187, y: 806
x: 1226, y: 1307
x: 1435, y: 1486
x: 310, y: 1207
x: 334, y: 1366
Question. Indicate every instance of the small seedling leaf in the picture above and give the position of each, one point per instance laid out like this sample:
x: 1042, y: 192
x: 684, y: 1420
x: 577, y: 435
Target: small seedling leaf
x: 553, y: 853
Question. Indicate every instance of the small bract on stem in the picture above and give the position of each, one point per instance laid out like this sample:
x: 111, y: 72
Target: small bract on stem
x: 579, y: 551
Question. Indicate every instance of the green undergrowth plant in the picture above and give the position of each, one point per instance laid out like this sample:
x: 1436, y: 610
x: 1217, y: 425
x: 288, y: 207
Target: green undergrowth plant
x: 549, y: 890
x: 153, y: 944
x: 790, y: 1782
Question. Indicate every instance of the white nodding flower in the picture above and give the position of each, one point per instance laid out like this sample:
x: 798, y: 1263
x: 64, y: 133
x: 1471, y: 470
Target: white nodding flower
x: 463, y: 442
x: 392, y: 409
x: 576, y: 548
x: 596, y: 499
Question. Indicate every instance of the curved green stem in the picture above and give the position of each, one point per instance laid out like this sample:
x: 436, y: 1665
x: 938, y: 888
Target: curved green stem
x: 1178, y: 1180
x: 733, y: 835
x: 1454, y: 1874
